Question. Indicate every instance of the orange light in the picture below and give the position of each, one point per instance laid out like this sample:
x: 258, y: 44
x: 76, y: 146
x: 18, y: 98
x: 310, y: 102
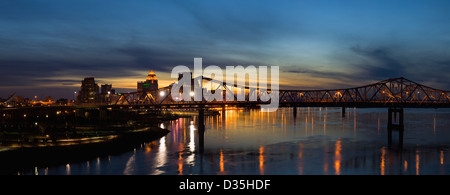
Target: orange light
x: 406, y: 165
x: 221, y: 161
x: 261, y: 160
x: 417, y: 162
x: 337, y: 157
x: 180, y: 164
x: 382, y: 165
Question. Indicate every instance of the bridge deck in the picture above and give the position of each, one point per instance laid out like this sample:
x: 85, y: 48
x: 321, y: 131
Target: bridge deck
x: 396, y: 92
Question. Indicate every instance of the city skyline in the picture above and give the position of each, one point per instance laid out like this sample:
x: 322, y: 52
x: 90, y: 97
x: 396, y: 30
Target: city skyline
x: 48, y: 46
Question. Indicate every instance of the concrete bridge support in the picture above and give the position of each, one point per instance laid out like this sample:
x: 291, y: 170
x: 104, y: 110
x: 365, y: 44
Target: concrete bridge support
x: 201, y: 129
x: 201, y: 118
x: 223, y: 109
x: 295, y: 111
x: 395, y: 123
x: 224, y: 112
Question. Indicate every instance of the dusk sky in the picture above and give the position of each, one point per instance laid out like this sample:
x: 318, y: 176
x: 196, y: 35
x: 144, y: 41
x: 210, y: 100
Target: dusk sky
x: 48, y: 46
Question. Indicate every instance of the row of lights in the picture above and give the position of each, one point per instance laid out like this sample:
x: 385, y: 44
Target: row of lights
x: 46, y: 116
x: 163, y: 93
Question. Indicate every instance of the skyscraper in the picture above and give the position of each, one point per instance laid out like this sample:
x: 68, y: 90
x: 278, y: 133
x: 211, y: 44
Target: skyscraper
x: 150, y: 84
x: 89, y: 91
x: 107, y: 89
x: 106, y: 92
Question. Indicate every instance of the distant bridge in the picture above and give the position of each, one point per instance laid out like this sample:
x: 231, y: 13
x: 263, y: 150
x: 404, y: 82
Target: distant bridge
x: 395, y: 92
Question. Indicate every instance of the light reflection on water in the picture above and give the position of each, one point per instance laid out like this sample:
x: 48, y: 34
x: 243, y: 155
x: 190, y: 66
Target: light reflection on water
x: 316, y: 141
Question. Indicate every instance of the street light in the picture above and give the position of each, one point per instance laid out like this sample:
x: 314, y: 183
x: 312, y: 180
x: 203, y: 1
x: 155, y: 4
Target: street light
x: 192, y: 93
x: 162, y: 93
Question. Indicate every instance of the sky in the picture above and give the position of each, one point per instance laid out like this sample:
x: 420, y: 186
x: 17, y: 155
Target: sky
x: 48, y: 46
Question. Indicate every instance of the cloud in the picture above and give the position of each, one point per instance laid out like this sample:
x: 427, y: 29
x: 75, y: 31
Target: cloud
x: 47, y: 42
x: 158, y: 59
x: 380, y: 64
x: 369, y: 64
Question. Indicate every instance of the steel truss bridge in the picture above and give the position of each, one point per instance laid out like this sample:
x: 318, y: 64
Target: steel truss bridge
x: 394, y: 92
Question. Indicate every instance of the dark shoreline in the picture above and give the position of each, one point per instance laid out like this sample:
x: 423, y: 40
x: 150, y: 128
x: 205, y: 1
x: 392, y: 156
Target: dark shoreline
x: 84, y: 139
x: 23, y: 159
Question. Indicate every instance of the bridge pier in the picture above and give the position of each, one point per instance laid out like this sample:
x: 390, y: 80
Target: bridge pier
x: 295, y: 111
x: 223, y: 109
x: 223, y: 114
x: 201, y: 129
x: 395, y: 125
x: 201, y: 118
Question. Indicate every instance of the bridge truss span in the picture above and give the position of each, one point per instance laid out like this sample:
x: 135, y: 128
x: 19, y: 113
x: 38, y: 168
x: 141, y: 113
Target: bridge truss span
x: 399, y: 92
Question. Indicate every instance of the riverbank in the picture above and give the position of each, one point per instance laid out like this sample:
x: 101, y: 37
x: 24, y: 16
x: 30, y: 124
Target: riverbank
x: 42, y: 140
x: 18, y: 159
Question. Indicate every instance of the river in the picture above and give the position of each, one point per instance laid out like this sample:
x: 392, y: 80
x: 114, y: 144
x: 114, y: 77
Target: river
x: 317, y: 141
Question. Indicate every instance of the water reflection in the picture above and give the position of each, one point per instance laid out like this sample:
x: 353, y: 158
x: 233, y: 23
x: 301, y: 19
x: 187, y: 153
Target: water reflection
x: 314, y: 141
x: 417, y: 161
x: 261, y: 160
x: 191, y: 157
x: 383, y: 159
x: 129, y: 167
x: 67, y: 169
x: 337, y: 157
x: 222, y: 163
x: 300, y: 157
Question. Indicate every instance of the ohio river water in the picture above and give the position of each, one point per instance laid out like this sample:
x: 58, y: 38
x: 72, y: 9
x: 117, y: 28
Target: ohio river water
x: 317, y: 141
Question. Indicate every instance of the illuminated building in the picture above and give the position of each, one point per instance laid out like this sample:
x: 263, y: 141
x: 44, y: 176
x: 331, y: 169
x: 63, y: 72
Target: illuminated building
x: 150, y: 84
x: 107, y: 89
x: 106, y: 92
x: 89, y: 91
